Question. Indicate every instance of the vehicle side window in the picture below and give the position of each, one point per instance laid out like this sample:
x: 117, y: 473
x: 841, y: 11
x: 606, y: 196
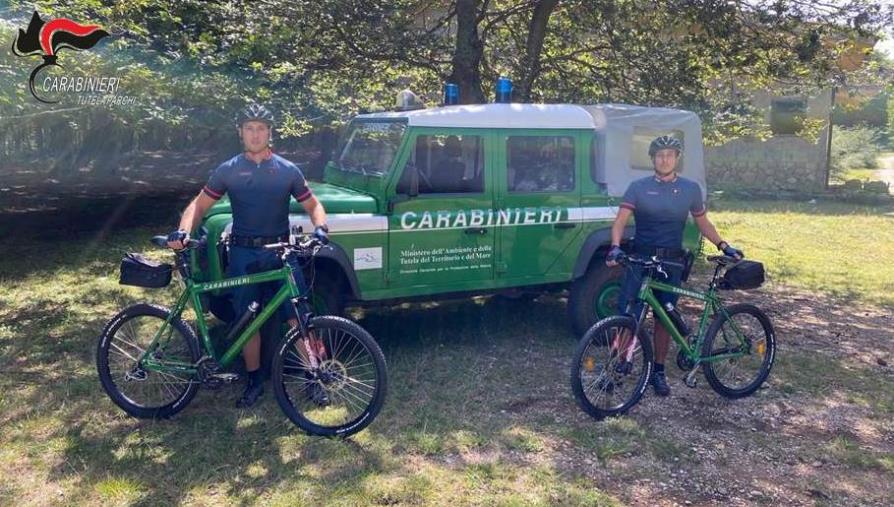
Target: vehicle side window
x: 540, y: 163
x: 447, y: 164
x: 642, y: 138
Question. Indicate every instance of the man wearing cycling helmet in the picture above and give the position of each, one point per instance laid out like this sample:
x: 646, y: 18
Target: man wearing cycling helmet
x: 660, y: 204
x: 259, y: 184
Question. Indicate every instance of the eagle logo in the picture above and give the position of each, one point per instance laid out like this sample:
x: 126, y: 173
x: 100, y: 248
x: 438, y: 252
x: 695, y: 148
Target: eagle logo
x: 46, y: 38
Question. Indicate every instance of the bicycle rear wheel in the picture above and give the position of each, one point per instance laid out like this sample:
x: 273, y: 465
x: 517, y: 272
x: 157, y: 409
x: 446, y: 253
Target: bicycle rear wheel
x: 611, y: 368
x: 746, y: 332
x: 142, y: 392
x: 344, y: 391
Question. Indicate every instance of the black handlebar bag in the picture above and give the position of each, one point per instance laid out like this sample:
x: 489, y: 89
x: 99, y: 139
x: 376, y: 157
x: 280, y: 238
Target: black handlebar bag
x: 743, y: 275
x: 139, y: 271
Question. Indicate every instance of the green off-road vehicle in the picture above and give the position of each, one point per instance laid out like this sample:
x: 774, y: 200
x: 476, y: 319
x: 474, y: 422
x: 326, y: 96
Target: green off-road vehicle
x: 460, y: 200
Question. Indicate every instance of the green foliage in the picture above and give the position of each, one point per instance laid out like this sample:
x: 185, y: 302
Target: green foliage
x: 318, y: 63
x: 854, y: 148
x: 890, y: 115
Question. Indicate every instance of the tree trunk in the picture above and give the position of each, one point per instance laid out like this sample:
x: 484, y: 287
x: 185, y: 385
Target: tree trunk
x: 468, y: 53
x: 530, y: 63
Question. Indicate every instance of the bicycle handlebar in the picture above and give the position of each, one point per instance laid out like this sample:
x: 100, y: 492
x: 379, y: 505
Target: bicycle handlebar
x: 649, y: 262
x: 304, y: 242
x: 189, y: 243
x: 723, y: 260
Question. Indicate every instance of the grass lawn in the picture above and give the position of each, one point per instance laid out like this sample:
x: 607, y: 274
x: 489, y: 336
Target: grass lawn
x: 835, y: 248
x: 479, y: 410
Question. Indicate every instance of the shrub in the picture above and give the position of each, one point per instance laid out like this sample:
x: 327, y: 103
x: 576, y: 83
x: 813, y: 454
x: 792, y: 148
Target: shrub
x: 854, y: 148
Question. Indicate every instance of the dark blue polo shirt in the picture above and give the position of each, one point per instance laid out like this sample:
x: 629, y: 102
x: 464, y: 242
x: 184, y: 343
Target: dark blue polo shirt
x: 660, y: 209
x: 259, y: 193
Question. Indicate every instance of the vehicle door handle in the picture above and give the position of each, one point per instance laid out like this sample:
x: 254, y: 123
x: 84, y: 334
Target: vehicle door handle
x: 476, y: 230
x: 564, y: 225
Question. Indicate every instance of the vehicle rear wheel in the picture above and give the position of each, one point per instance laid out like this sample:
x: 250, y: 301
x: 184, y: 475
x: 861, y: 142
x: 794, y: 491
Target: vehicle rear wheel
x: 594, y: 296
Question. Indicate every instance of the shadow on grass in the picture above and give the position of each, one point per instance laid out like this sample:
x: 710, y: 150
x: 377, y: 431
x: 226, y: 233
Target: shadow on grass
x: 478, y: 399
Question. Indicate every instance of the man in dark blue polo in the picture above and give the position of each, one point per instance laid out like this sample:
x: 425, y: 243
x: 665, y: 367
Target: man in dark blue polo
x: 660, y: 204
x: 259, y: 184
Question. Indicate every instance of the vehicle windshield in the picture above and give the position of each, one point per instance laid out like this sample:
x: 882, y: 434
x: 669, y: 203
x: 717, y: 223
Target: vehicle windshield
x: 369, y: 148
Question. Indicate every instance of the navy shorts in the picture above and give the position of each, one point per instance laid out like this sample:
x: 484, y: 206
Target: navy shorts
x: 245, y: 261
x: 633, y: 278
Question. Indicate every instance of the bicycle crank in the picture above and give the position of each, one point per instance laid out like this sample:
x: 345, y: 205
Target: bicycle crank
x: 690, y: 380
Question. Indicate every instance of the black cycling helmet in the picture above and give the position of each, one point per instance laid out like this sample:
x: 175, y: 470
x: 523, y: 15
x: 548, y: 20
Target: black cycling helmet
x: 254, y: 112
x: 665, y: 143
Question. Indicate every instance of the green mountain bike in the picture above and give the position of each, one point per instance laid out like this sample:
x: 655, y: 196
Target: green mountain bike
x: 734, y: 345
x: 151, y: 363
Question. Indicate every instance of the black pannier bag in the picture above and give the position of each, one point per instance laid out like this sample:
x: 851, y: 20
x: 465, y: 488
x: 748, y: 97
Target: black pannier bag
x: 141, y: 272
x: 743, y: 275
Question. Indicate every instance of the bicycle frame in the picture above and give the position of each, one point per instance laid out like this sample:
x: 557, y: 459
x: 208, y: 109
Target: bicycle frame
x: 191, y: 296
x: 713, y: 306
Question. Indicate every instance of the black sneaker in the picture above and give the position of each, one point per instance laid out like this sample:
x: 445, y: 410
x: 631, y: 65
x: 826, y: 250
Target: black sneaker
x: 251, y: 395
x: 659, y: 383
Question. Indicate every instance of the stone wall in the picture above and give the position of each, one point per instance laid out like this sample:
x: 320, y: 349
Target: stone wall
x: 779, y: 163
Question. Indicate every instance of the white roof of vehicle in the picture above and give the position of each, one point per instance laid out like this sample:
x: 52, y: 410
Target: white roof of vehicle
x: 618, y: 123
x: 539, y: 116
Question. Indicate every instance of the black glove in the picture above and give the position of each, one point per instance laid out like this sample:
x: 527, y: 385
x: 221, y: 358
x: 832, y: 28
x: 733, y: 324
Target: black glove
x: 729, y: 251
x: 321, y: 233
x: 614, y: 254
x: 178, y: 235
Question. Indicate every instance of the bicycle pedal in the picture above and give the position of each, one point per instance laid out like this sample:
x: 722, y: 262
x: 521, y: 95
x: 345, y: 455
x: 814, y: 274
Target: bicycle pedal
x: 226, y: 378
x: 690, y: 381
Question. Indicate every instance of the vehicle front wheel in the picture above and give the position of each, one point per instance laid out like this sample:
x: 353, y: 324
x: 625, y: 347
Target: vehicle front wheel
x: 594, y: 296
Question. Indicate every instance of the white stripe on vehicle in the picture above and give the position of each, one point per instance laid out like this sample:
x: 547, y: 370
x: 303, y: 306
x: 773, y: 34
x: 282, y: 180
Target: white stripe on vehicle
x: 593, y: 213
x: 338, y: 223
x: 412, y: 221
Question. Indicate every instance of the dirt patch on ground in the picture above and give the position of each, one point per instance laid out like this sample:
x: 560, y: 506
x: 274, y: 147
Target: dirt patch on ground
x: 819, y: 432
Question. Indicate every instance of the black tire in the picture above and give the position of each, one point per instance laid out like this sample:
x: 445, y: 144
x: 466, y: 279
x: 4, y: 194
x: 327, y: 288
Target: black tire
x: 352, y: 356
x: 726, y: 376
x: 142, y: 393
x: 591, y: 296
x: 327, y: 296
x: 597, y: 374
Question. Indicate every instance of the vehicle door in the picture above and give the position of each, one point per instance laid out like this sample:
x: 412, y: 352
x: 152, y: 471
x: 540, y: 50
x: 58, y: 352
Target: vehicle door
x: 537, y: 201
x: 441, y: 232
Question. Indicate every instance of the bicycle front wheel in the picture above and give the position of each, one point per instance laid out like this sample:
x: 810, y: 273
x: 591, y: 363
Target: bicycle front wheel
x: 333, y: 382
x: 611, y: 368
x: 140, y: 391
x: 743, y: 337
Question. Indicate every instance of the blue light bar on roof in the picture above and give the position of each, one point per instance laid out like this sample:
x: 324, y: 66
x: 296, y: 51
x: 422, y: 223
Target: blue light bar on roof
x: 504, y: 90
x: 451, y: 94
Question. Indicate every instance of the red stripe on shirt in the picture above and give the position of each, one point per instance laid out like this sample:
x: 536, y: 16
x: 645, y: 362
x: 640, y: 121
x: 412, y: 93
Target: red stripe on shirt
x: 627, y: 205
x: 211, y: 193
x: 305, y: 196
x: 700, y: 213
